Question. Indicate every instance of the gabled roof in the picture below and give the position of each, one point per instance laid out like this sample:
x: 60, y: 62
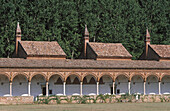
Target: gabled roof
x: 109, y: 49
x: 42, y: 48
x: 162, y: 50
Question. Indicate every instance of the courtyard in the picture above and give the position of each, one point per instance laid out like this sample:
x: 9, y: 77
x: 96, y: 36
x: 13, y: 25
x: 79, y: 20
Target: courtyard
x: 89, y: 107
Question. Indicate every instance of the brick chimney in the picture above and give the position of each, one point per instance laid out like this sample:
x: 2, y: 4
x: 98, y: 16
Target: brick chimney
x: 18, y: 38
x: 147, y: 41
x: 86, y: 40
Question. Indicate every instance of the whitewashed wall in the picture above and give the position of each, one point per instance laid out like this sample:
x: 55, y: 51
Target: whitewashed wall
x: 35, y: 88
x: 4, y: 88
x: 89, y: 89
x: 17, y: 88
x: 72, y: 89
x: 153, y: 86
x: 137, y: 85
x: 56, y: 89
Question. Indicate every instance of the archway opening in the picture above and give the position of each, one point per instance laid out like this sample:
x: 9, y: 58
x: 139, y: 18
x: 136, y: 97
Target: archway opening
x: 152, y: 86
x: 4, y: 85
x: 55, y: 85
x: 121, y: 84
x: 72, y: 85
x: 38, y: 85
x: 137, y: 84
x: 105, y: 85
x: 20, y: 85
x: 165, y: 84
x: 89, y: 85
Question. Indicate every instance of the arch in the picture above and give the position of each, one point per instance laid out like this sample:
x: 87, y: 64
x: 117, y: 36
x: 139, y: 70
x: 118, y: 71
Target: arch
x: 20, y: 84
x: 53, y: 74
x: 38, y: 84
x: 6, y: 74
x: 166, y: 74
x: 137, y: 74
x: 165, y: 84
x: 4, y: 84
x: 152, y: 74
x: 38, y: 73
x: 142, y: 77
x: 75, y: 74
x: 157, y: 77
x: 18, y: 73
x: 90, y: 74
x: 121, y: 75
x: 106, y: 74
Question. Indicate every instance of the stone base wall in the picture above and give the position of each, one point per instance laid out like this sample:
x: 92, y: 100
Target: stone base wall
x: 99, y: 99
x: 17, y: 100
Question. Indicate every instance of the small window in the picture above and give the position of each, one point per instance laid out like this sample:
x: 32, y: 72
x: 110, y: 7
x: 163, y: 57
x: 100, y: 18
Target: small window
x: 118, y: 91
x: 50, y: 91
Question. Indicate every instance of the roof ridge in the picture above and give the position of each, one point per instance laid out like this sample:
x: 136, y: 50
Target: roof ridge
x: 103, y: 43
x: 38, y: 41
x: 159, y: 44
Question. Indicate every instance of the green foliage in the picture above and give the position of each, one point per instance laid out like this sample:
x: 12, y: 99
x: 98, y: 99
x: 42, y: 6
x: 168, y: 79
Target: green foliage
x: 123, y: 21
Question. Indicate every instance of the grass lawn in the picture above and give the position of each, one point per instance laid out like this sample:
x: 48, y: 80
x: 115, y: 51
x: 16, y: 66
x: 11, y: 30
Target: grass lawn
x: 90, y: 107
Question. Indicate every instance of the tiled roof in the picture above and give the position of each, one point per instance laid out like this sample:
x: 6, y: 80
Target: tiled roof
x: 109, y: 49
x: 82, y: 64
x: 42, y: 48
x: 162, y: 50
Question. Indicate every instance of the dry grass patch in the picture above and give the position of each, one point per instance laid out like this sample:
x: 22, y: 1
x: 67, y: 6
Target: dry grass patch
x: 89, y: 107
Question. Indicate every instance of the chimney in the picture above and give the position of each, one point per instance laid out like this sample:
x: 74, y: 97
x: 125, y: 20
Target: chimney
x: 18, y: 38
x: 86, y: 39
x: 147, y: 42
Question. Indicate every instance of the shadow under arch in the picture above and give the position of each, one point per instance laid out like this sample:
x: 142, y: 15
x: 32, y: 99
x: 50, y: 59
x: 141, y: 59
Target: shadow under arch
x: 16, y: 74
x: 121, y: 75
x: 73, y: 74
x: 34, y: 74
x: 109, y: 75
x: 6, y: 75
x: 56, y: 74
x: 90, y: 74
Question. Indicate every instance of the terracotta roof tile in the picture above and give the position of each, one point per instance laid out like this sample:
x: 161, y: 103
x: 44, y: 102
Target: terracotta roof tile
x: 42, y: 48
x: 162, y: 50
x: 83, y: 64
x: 110, y: 49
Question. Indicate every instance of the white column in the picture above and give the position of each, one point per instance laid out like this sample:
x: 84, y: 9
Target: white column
x: 129, y: 87
x: 159, y: 88
x: 97, y: 88
x: 10, y: 88
x: 64, y: 88
x: 29, y: 89
x: 47, y: 88
x: 144, y: 90
x: 81, y: 88
x: 113, y: 88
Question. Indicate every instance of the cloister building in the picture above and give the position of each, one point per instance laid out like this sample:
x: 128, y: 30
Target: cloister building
x: 41, y: 68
